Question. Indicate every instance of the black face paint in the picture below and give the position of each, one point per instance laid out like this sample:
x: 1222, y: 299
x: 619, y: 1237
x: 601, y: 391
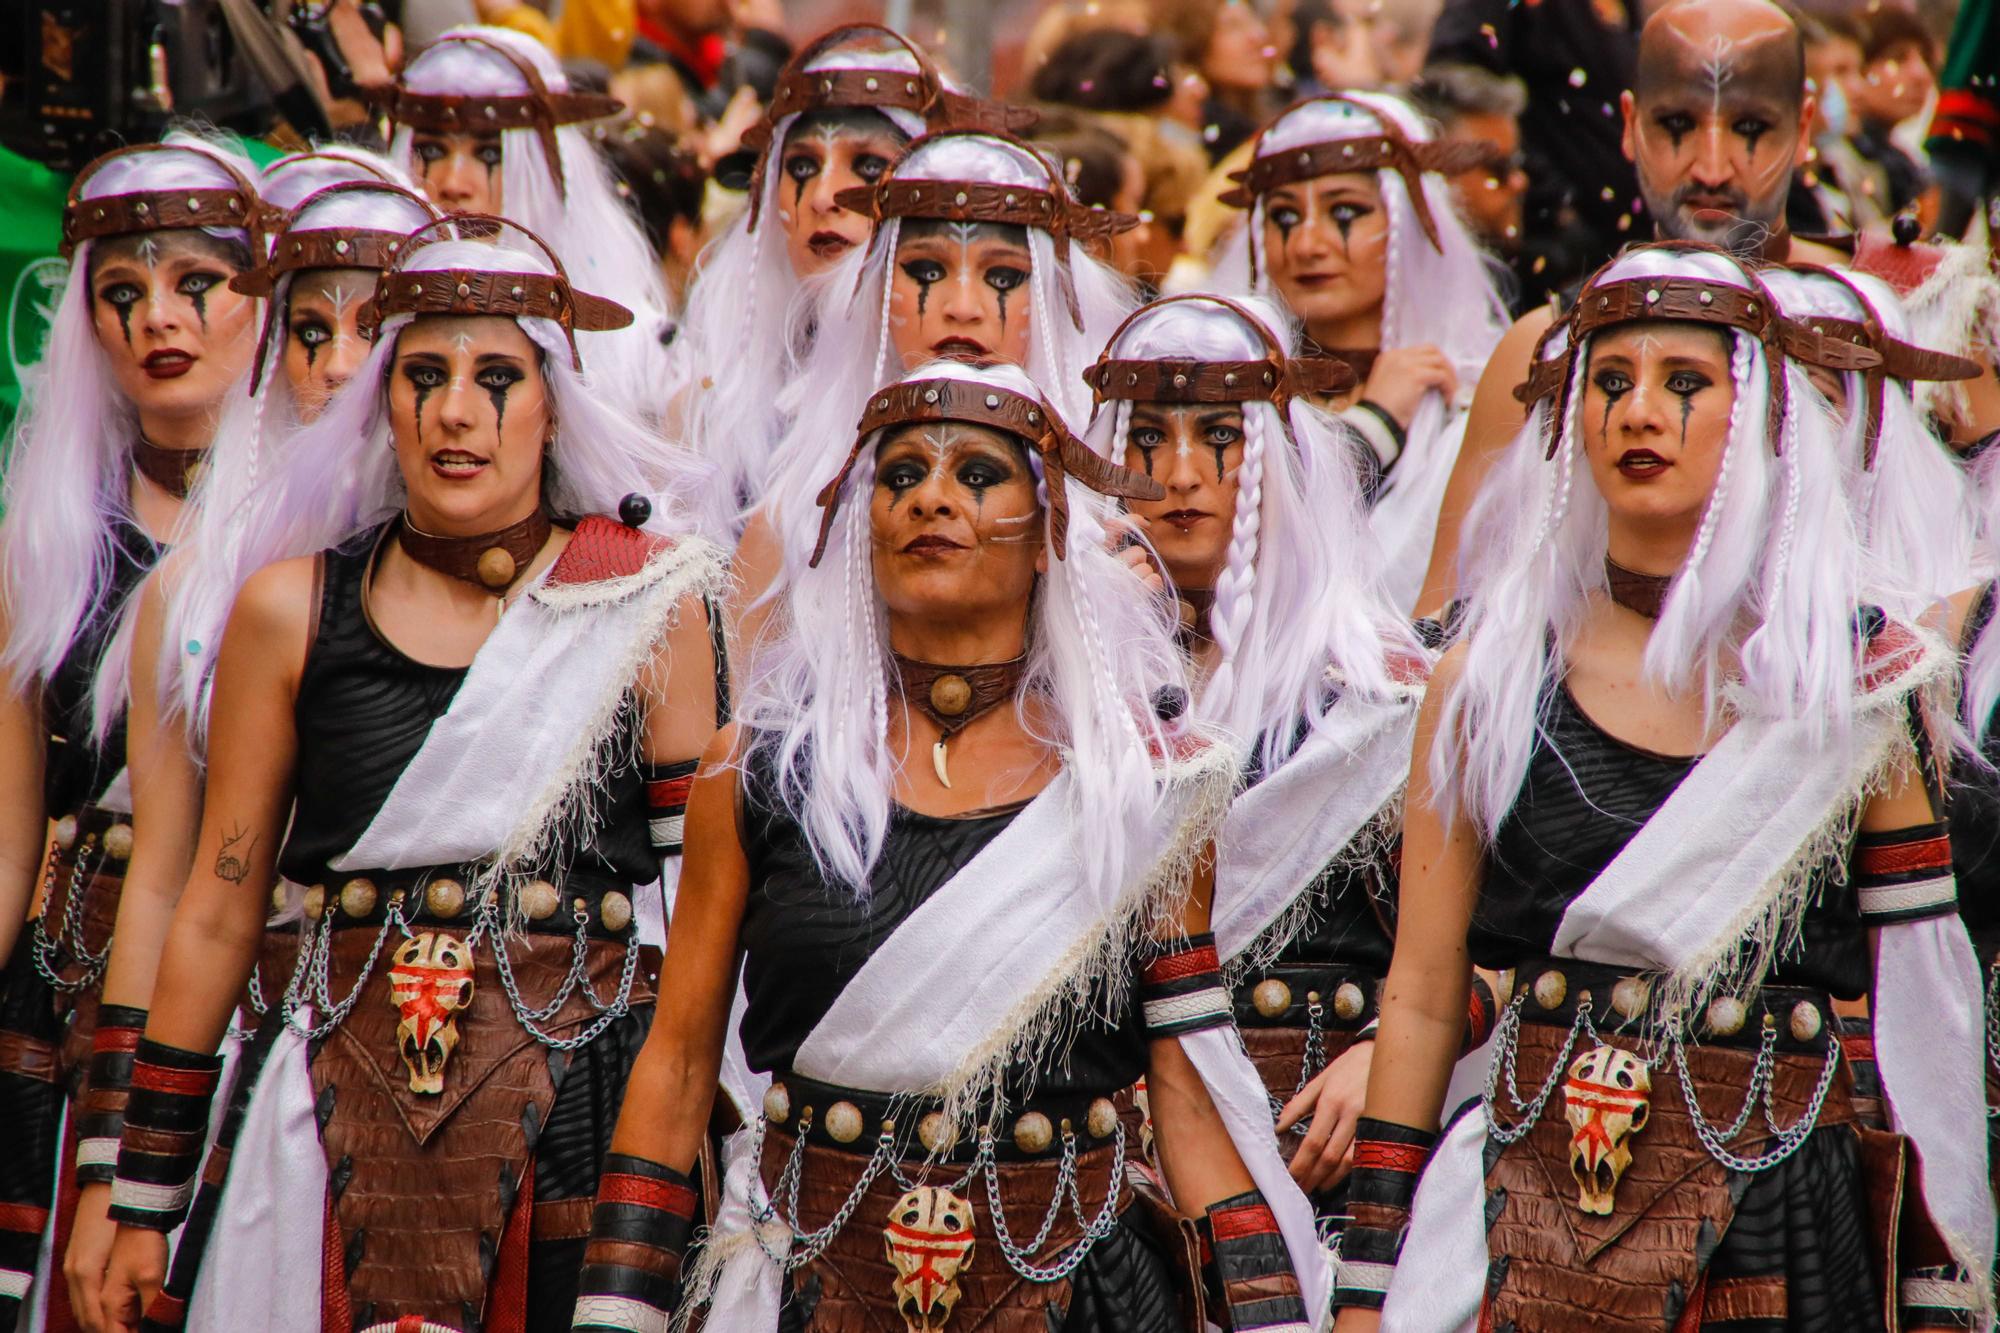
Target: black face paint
x: 423, y: 393
x: 497, y: 394
x: 312, y: 354
x: 200, y: 299
x: 1610, y: 401
x: 124, y: 309
x: 1219, y: 449
x: 1003, y: 306
x: 1687, y: 406
x: 924, y: 272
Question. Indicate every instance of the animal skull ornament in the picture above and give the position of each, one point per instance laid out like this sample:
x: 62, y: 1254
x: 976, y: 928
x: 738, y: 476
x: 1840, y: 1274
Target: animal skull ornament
x: 929, y: 1238
x: 430, y: 980
x: 1606, y: 1100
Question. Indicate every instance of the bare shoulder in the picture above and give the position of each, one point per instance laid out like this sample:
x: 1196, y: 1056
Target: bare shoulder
x: 274, y: 605
x: 1958, y: 609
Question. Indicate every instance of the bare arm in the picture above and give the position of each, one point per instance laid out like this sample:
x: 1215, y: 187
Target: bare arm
x: 672, y: 1087
x: 759, y: 564
x: 1493, y: 421
x: 253, y: 745
x: 680, y: 682
x: 166, y: 814
x: 1196, y: 1152
x: 1423, y: 998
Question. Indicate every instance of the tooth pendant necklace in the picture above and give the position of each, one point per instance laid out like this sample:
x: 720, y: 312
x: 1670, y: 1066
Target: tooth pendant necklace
x: 952, y: 697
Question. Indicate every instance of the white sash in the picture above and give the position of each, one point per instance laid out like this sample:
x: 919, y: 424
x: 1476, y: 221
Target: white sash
x: 523, y: 744
x: 1284, y: 831
x: 986, y: 970
x: 1730, y: 858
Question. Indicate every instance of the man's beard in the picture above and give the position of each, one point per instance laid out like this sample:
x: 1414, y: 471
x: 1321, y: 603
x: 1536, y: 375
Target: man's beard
x: 1743, y: 232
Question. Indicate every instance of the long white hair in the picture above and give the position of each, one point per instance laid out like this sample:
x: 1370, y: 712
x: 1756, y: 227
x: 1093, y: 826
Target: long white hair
x: 852, y: 353
x: 69, y: 476
x: 1916, y: 511
x: 287, y: 182
x: 583, y: 220
x: 1300, y: 592
x: 1099, y: 655
x: 748, y: 319
x: 1772, y: 579
x: 338, y: 476
x: 255, y: 432
x: 1982, y: 664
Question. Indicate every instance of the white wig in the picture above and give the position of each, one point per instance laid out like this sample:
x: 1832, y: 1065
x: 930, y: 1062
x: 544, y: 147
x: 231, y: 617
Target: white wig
x: 583, y: 220
x: 853, y: 355
x: 255, y: 430
x: 1916, y: 512
x: 70, y: 472
x: 1445, y: 295
x: 288, y: 181
x: 1099, y: 655
x: 1772, y: 578
x: 1982, y: 665
x: 748, y: 318
x: 1300, y: 594
x: 338, y: 476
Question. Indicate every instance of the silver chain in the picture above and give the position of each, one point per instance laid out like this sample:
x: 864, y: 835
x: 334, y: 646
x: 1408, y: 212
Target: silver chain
x: 312, y: 980
x: 1788, y: 1137
x: 1314, y: 1058
x: 806, y: 1246
x: 531, y: 1019
x: 49, y: 951
x: 1506, y: 1041
x: 1993, y: 1025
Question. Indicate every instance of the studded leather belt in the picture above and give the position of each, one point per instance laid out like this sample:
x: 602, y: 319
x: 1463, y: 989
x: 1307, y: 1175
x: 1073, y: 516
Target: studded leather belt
x: 1334, y: 997
x: 441, y: 896
x: 826, y: 1115
x: 1621, y: 1001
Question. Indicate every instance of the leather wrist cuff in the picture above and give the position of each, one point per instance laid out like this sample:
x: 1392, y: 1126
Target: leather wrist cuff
x: 1388, y: 1161
x: 100, y: 1120
x: 166, y: 1120
x: 1248, y: 1268
x: 639, y: 1232
x: 667, y: 788
x: 1182, y: 989
x: 1904, y: 874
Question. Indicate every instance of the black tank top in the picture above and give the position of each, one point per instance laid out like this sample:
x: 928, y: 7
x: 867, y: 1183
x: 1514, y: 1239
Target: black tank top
x: 805, y: 938
x: 1354, y: 907
x: 1586, y: 794
x: 1975, y: 814
x: 77, y: 769
x: 363, y: 711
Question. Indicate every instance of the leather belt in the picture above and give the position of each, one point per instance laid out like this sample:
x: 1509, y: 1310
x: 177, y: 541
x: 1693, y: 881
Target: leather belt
x: 1348, y: 997
x: 1621, y: 1002
x: 827, y: 1115
x: 441, y: 896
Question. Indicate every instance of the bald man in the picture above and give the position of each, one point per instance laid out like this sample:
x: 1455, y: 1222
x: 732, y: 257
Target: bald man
x: 1716, y: 122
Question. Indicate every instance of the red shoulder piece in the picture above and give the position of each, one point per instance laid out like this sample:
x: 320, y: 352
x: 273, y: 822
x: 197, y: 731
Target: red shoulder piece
x: 1892, y: 650
x: 1904, y: 267
x: 1407, y: 669
x: 603, y: 548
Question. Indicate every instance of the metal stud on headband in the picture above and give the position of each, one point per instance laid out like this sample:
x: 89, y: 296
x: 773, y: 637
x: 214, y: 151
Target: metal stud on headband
x: 1604, y: 304
x: 320, y: 247
x: 466, y: 291
x: 1031, y: 420
x: 156, y: 210
x: 922, y: 91
x: 1277, y: 378
x: 539, y: 109
x: 1054, y: 210
x: 1847, y: 344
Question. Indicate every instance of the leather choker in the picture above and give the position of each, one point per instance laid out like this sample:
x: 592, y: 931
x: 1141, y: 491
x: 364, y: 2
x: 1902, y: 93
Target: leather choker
x: 490, y: 561
x: 1357, y: 362
x: 1195, y: 606
x: 174, y: 471
x: 1643, y: 593
x: 952, y: 697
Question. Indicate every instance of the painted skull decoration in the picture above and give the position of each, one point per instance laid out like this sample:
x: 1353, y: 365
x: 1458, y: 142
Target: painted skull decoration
x: 929, y: 1238
x: 1606, y: 1100
x: 430, y: 980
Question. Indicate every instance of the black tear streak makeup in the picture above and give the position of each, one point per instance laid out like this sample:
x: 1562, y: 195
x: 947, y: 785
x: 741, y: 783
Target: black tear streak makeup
x: 1687, y: 406
x: 124, y: 309
x: 497, y: 393
x: 423, y: 393
x: 200, y: 298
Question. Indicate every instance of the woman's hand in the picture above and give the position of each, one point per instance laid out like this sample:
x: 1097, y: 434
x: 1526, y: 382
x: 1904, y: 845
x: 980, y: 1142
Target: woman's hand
x: 1334, y: 1099
x: 89, y: 1251
x: 134, y: 1275
x: 1403, y: 375
x: 1134, y: 554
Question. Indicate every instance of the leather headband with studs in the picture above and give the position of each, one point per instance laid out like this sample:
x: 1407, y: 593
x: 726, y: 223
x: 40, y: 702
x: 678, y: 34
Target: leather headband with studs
x: 1390, y: 150
x: 1864, y: 346
x: 156, y: 210
x: 464, y: 291
x: 1053, y: 210
x: 538, y: 109
x: 1031, y: 420
x: 1276, y: 379
x: 318, y: 247
x: 802, y: 91
x: 1603, y: 305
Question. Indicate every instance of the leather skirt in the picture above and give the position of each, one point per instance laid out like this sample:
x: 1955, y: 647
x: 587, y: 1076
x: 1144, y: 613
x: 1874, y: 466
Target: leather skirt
x: 920, y: 1248
x: 1615, y: 1213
